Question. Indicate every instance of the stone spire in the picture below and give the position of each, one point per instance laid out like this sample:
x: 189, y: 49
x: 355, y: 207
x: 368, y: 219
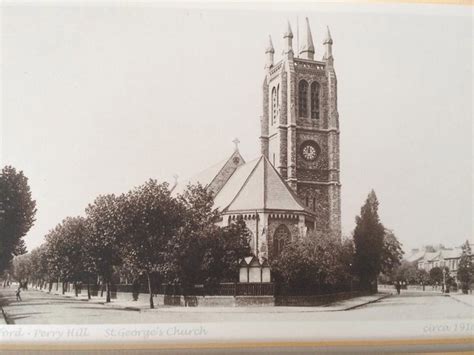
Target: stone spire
x: 288, y: 37
x: 269, y: 51
x: 307, y: 46
x: 328, y: 45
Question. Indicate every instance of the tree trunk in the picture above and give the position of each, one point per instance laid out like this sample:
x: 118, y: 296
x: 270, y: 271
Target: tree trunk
x: 64, y: 288
x: 75, y: 288
x: 50, y: 286
x: 149, y: 290
x: 88, y: 287
x: 107, y: 290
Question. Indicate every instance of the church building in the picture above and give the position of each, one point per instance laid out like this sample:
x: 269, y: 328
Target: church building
x: 292, y: 190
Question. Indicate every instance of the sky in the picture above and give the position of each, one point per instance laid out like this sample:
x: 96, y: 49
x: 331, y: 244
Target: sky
x: 97, y: 98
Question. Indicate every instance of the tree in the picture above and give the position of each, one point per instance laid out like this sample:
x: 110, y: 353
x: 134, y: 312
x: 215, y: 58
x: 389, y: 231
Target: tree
x: 423, y: 277
x: 39, y: 266
x: 223, y: 251
x: 21, y: 268
x: 151, y: 218
x: 436, y: 275
x: 313, y: 265
x: 66, y: 250
x: 465, y: 268
x: 392, y: 252
x: 406, y: 271
x: 185, y: 250
x: 17, y: 214
x: 201, y: 251
x: 104, y: 237
x: 369, y: 243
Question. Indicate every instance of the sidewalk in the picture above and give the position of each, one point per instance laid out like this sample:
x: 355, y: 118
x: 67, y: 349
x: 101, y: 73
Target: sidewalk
x: 143, y: 305
x: 463, y: 298
x: 2, y: 317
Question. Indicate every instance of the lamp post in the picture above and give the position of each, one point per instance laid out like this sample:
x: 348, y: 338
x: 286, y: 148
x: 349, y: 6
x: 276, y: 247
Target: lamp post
x: 350, y: 268
x: 444, y: 280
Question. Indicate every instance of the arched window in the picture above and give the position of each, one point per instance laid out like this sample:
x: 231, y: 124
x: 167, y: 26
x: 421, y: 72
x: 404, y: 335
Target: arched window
x: 281, y: 236
x: 278, y: 100
x: 303, y: 98
x: 274, y: 105
x: 315, y: 100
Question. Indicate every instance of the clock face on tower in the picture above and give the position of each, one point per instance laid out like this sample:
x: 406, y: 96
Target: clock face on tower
x: 309, y: 150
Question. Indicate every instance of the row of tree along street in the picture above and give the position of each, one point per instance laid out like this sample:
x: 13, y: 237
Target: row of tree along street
x: 147, y: 234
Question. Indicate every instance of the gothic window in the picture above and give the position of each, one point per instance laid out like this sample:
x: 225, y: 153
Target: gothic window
x: 315, y: 100
x: 281, y: 236
x: 278, y: 100
x: 303, y: 98
x: 314, y: 204
x: 274, y: 105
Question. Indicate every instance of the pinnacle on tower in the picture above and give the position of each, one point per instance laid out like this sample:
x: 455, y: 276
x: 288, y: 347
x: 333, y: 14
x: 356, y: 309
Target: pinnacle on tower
x: 288, y: 36
x: 307, y: 46
x: 288, y: 32
x: 270, y: 48
x: 328, y: 39
x: 328, y: 45
x: 269, y: 51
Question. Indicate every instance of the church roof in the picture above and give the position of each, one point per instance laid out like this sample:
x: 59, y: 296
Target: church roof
x: 257, y: 185
x: 205, y: 177
x: 209, y: 175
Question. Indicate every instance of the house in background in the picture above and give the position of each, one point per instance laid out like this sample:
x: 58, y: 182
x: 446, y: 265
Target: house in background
x: 427, y: 259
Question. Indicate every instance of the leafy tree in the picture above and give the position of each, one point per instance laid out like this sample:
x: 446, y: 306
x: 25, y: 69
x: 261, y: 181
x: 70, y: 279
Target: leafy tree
x: 465, y: 268
x: 369, y: 243
x: 313, y: 265
x: 185, y: 250
x: 39, y: 266
x: 17, y: 214
x: 392, y: 252
x: 104, y: 238
x: 422, y: 277
x: 151, y: 218
x: 223, y: 251
x: 406, y: 271
x: 436, y: 275
x: 21, y: 268
x: 201, y: 251
x: 67, y: 253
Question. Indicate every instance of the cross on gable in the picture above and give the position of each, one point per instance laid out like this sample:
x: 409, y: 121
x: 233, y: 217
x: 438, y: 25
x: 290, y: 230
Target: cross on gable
x: 236, y: 142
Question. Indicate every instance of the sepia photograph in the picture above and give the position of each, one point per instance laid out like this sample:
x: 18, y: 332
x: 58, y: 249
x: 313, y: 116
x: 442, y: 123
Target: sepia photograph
x: 218, y: 176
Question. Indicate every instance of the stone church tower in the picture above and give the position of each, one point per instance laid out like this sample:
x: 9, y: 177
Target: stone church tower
x: 300, y: 126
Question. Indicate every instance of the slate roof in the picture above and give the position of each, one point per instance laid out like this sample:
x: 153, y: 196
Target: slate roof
x: 415, y: 256
x: 205, y: 177
x: 257, y: 185
x: 451, y: 253
x: 430, y: 256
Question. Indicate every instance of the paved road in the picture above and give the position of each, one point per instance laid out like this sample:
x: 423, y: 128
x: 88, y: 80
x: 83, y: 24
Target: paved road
x: 42, y: 308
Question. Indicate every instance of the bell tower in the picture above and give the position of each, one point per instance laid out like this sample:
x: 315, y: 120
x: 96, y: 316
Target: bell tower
x: 300, y: 126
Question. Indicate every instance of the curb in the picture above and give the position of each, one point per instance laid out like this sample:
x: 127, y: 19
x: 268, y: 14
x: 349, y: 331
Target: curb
x: 460, y: 301
x: 366, y: 303
x: 5, y: 318
x: 99, y: 302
